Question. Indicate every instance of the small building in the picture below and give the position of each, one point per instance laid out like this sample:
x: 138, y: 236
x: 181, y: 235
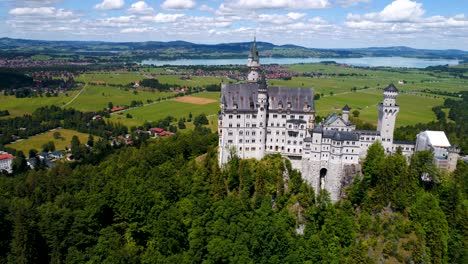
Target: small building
x: 117, y: 108
x: 6, y: 162
x: 445, y: 155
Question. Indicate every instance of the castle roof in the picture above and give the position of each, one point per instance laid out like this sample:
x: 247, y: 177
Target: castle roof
x: 240, y: 97
x: 391, y: 88
x: 297, y: 98
x: 318, y: 128
x: 341, y: 135
x: 346, y: 108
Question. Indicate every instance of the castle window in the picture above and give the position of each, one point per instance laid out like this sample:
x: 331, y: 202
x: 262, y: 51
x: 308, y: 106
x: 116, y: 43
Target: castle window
x: 275, y: 116
x: 253, y: 148
x: 247, y: 132
x: 230, y: 125
x: 288, y: 150
x: 268, y: 132
x: 230, y: 141
x: 283, y: 116
x: 254, y: 125
x: 289, y: 142
x: 241, y: 132
x: 253, y: 140
x: 238, y: 125
x: 238, y: 116
x: 240, y: 140
x: 240, y: 148
x: 254, y: 116
x: 230, y: 116
x: 282, y: 133
x: 277, y: 132
x: 261, y: 123
x: 301, y: 117
x: 229, y: 133
x: 254, y: 133
x: 292, y: 116
x: 247, y: 149
x: 247, y: 116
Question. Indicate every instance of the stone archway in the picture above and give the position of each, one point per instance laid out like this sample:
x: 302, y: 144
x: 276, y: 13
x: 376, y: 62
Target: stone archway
x: 323, y: 173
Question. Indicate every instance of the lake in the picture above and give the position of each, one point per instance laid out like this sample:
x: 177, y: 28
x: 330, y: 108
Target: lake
x: 363, y: 62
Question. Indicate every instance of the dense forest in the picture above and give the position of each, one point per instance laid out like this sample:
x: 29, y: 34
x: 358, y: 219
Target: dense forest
x: 168, y: 201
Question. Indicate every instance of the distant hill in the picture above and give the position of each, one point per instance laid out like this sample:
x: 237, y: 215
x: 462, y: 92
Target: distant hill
x: 183, y: 49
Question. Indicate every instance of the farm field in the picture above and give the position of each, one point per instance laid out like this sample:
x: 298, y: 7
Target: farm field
x: 366, y: 102
x: 36, y: 142
x: 373, y: 77
x: 156, y: 111
x: 95, y: 98
x: 125, y: 78
x: 21, y: 106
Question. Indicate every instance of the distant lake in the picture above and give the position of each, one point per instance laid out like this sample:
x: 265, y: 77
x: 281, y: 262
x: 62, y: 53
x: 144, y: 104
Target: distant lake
x: 362, y: 62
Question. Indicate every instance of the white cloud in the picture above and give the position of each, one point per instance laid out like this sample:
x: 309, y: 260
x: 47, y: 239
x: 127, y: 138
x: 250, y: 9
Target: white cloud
x: 276, y: 4
x: 348, y: 3
x: 140, y: 7
x: 40, y: 11
x: 178, y: 4
x: 397, y: 11
x: 162, y: 18
x: 110, y: 4
x: 206, y: 8
x: 280, y: 19
x: 136, y: 30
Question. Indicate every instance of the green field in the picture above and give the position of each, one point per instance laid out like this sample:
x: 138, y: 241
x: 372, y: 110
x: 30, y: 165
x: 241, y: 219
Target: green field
x: 159, y: 110
x: 366, y: 103
x: 124, y: 78
x: 36, y: 142
x: 335, y: 90
x: 21, y: 106
x: 97, y: 97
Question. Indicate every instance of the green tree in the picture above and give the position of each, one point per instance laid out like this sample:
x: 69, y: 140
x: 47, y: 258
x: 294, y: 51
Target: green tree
x: 356, y: 113
x: 20, y: 163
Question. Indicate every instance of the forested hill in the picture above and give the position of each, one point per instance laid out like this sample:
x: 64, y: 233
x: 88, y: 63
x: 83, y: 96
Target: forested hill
x: 183, y: 49
x: 169, y: 202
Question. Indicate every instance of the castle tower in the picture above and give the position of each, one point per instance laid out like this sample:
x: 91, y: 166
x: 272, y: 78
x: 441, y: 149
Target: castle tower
x: 262, y: 113
x: 452, y: 157
x: 388, y: 111
x: 345, y: 113
x: 253, y: 62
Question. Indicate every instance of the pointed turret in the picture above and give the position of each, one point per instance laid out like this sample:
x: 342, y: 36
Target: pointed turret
x: 253, y: 63
x: 253, y: 51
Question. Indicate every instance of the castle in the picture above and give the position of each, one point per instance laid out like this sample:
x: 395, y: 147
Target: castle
x: 257, y: 120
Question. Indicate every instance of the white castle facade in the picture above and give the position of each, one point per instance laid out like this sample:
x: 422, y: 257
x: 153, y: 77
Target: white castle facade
x: 257, y: 120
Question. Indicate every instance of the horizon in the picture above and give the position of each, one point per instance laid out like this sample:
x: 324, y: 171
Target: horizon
x: 221, y: 43
x: 321, y: 24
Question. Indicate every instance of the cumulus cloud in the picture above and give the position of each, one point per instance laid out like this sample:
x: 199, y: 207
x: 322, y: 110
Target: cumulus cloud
x: 178, y: 4
x: 162, y: 18
x: 136, y: 30
x: 280, y: 19
x: 140, y: 7
x: 397, y: 11
x: 40, y: 11
x: 348, y: 3
x: 276, y: 4
x: 110, y: 4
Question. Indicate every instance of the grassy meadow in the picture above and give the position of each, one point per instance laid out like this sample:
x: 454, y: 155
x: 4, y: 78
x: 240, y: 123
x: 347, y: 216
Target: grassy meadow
x: 37, y: 141
x: 415, y: 106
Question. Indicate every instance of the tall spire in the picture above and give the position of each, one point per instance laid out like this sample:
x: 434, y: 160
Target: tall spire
x: 253, y: 50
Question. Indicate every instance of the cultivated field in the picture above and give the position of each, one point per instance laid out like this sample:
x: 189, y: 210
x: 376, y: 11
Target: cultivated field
x: 335, y: 90
x: 36, y: 142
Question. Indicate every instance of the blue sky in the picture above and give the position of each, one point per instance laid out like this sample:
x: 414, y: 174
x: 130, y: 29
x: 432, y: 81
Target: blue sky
x: 431, y: 24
